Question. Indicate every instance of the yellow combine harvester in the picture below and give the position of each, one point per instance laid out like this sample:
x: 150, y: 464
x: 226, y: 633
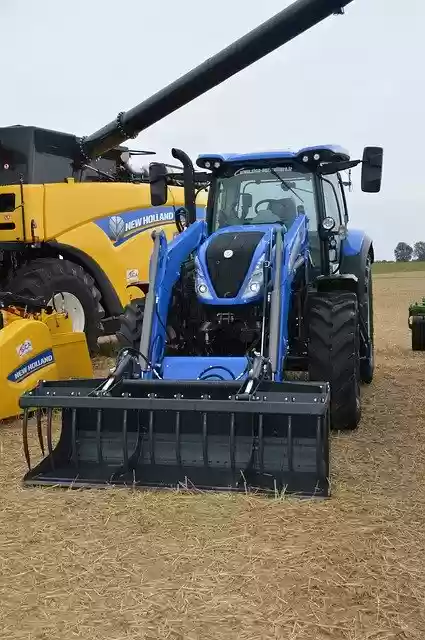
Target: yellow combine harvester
x: 74, y: 230
x: 36, y: 342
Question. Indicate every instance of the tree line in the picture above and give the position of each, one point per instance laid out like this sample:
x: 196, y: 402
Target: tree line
x: 404, y: 252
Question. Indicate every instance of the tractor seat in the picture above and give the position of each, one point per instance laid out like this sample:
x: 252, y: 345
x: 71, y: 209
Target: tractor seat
x: 285, y: 209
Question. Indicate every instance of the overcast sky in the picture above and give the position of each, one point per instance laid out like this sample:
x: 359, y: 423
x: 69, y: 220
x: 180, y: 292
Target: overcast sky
x: 350, y: 80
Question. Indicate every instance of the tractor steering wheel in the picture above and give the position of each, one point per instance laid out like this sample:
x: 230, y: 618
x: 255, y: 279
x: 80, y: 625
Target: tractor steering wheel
x: 262, y: 202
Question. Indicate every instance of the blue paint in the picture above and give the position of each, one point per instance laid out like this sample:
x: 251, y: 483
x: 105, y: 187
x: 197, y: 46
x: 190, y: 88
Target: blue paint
x: 195, y: 240
x: 215, y: 368
x: 338, y: 152
x: 171, y: 257
x: 295, y: 246
x: 352, y: 244
x: 38, y: 362
x: 120, y: 227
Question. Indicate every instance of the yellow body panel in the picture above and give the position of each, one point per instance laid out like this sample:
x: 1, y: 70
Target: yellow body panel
x: 110, y: 222
x: 31, y: 349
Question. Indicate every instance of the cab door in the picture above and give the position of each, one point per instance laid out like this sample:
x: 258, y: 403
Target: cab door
x: 334, y: 208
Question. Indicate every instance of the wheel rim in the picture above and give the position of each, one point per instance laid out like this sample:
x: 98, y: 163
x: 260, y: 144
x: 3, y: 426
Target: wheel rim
x: 68, y: 303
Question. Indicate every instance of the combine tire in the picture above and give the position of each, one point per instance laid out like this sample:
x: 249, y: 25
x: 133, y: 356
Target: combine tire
x: 418, y: 333
x: 131, y: 320
x: 334, y: 343
x: 72, y: 287
x: 367, y: 365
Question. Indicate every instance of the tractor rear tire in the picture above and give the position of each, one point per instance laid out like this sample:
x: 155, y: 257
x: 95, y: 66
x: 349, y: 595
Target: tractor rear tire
x: 418, y: 333
x: 130, y: 330
x: 334, y: 353
x: 46, y: 277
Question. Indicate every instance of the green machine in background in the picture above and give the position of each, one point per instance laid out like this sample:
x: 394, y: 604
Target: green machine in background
x: 417, y: 325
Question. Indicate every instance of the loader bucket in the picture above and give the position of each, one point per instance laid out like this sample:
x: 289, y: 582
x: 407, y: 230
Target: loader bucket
x: 184, y: 434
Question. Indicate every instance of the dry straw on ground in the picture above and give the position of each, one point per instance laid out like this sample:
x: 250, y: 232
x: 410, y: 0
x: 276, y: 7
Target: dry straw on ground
x: 118, y: 564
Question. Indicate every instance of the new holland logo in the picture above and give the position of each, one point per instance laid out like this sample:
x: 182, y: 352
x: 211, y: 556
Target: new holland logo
x: 120, y: 228
x: 116, y: 228
x: 32, y: 366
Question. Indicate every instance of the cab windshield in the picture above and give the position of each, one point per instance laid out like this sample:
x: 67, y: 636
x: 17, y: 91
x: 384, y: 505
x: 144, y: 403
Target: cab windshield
x: 263, y: 196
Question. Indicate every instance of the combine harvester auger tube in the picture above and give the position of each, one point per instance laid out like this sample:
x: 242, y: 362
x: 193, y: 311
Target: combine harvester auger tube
x: 199, y: 398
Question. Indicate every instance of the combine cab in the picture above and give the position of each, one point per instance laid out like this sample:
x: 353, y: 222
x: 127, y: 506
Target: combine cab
x: 270, y: 286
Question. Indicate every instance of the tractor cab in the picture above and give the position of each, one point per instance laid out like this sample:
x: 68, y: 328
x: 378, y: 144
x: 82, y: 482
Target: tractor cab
x: 251, y: 193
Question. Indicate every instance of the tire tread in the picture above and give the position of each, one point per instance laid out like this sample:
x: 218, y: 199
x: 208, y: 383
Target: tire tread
x: 334, y: 353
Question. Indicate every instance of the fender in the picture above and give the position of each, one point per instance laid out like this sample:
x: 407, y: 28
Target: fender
x: 112, y: 303
x: 338, y: 282
x: 355, y: 249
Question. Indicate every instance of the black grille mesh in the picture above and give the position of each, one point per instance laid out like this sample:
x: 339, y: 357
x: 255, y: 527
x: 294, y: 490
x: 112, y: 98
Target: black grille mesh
x: 228, y: 274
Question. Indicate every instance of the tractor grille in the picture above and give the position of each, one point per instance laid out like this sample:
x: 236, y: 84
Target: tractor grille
x: 227, y: 274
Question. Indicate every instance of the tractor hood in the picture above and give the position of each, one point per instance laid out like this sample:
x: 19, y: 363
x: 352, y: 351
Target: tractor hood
x: 229, y: 265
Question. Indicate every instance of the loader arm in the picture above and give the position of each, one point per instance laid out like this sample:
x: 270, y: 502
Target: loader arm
x: 165, y: 268
x: 295, y: 257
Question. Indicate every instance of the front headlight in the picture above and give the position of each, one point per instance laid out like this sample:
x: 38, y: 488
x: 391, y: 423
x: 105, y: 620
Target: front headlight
x: 201, y: 286
x: 256, y: 280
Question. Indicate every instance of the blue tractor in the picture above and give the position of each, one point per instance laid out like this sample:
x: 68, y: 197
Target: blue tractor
x: 255, y: 330
x: 270, y: 283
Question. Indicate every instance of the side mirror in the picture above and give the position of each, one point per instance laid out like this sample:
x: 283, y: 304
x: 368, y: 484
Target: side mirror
x: 372, y: 169
x: 158, y: 184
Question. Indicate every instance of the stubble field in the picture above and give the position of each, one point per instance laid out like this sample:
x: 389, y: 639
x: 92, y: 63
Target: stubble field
x: 114, y: 565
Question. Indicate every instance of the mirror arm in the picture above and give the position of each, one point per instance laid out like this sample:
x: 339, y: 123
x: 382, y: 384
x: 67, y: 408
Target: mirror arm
x: 333, y: 167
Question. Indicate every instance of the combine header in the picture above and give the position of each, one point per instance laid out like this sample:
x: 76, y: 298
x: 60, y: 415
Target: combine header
x: 35, y: 338
x: 271, y: 282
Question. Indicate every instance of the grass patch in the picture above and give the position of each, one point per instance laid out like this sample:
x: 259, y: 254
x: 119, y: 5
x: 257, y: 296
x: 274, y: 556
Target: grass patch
x: 398, y: 267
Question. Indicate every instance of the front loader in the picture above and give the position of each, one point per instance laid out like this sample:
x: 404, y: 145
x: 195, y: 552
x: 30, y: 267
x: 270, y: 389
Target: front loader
x: 270, y: 286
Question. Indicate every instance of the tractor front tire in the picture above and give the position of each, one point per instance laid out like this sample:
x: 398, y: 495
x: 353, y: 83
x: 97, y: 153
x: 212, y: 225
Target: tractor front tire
x: 47, y: 277
x: 130, y: 330
x: 334, y: 353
